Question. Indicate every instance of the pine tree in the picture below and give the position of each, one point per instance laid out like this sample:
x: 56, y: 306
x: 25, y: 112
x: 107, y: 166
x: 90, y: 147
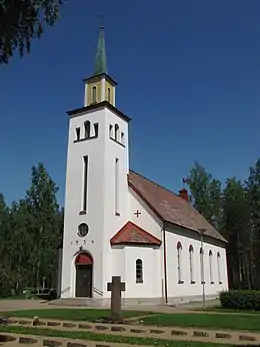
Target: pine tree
x: 235, y: 230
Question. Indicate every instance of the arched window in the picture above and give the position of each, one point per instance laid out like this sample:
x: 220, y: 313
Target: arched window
x: 219, y: 268
x: 117, y: 132
x: 211, y: 277
x: 179, y: 262
x: 108, y: 94
x: 87, y: 129
x: 191, y: 261
x: 94, y: 94
x: 202, y: 266
x: 139, y: 271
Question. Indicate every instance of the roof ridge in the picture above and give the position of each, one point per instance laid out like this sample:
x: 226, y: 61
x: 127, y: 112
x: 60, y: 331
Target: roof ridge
x: 157, y: 184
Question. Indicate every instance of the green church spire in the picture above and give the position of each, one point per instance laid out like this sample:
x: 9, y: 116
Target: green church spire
x: 100, y: 58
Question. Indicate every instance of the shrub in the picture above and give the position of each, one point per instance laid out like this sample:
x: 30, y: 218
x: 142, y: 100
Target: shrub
x: 240, y: 299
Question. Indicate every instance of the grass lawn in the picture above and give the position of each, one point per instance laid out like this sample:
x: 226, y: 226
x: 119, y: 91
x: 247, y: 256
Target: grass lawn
x: 227, y: 310
x: 206, y: 320
x: 70, y: 314
x: 90, y: 336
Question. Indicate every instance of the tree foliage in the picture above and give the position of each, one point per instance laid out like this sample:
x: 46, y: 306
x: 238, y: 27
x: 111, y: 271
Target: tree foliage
x: 235, y: 212
x: 30, y: 232
x: 22, y: 21
x: 206, y: 194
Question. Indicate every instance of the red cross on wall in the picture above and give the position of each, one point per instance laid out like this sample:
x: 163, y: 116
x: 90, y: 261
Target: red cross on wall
x: 137, y: 213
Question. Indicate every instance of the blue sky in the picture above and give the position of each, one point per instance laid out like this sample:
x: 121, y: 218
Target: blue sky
x: 188, y: 75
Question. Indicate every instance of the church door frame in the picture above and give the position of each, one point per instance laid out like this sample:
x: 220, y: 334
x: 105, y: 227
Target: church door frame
x: 83, y: 267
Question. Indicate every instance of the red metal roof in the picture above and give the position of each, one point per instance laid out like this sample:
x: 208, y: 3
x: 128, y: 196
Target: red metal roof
x: 132, y: 234
x: 170, y: 207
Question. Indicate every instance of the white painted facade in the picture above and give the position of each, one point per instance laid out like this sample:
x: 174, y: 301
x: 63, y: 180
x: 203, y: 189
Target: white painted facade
x: 162, y: 274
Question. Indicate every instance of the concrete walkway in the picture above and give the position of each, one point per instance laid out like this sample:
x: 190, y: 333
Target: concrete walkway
x: 14, y: 305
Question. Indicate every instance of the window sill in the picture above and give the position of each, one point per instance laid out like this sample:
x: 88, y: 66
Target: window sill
x: 82, y: 212
x: 117, y: 214
x: 192, y: 282
x: 121, y: 144
x: 180, y: 282
x: 86, y: 139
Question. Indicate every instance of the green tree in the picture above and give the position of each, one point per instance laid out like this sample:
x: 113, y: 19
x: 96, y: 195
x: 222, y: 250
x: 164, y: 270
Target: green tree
x: 4, y: 230
x: 44, y: 225
x: 236, y: 230
x: 206, y: 194
x: 253, y: 192
x: 22, y: 21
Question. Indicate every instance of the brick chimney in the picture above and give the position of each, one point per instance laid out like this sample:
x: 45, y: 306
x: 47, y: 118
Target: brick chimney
x: 183, y: 193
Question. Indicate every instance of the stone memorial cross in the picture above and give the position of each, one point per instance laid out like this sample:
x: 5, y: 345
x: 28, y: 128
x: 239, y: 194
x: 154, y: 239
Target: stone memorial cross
x: 116, y: 287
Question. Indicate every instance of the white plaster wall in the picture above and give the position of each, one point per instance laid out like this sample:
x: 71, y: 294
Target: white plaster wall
x: 119, y: 264
x: 187, y: 289
x: 112, y: 222
x: 151, y: 286
x: 95, y: 149
x: 100, y: 216
x: 147, y: 219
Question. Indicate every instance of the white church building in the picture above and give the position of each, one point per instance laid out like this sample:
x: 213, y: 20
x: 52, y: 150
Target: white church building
x: 119, y: 223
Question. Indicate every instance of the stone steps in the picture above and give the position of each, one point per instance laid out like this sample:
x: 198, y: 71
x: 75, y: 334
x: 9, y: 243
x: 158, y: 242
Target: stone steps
x: 79, y: 302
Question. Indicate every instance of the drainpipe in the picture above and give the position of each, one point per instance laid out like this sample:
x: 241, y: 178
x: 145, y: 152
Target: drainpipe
x: 165, y: 266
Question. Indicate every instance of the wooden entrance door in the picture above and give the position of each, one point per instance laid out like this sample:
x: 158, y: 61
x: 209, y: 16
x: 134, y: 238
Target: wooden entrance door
x: 84, y: 281
x: 84, y: 271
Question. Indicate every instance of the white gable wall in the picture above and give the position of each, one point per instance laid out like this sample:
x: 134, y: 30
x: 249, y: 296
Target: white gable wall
x: 147, y: 220
x: 152, y: 258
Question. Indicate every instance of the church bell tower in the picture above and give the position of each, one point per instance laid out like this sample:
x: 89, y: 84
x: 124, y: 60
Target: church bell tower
x: 96, y: 195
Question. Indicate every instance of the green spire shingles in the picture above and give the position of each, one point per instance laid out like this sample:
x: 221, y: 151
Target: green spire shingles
x: 100, y: 58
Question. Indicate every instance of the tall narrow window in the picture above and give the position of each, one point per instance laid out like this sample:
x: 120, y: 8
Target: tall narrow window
x: 179, y: 262
x: 77, y: 133
x: 111, y: 131
x: 191, y: 255
x: 87, y: 129
x: 96, y: 129
x: 202, y: 266
x: 139, y: 271
x: 219, y: 268
x: 85, y: 183
x: 211, y: 267
x: 108, y: 94
x: 94, y: 94
x: 123, y: 138
x: 116, y: 132
x: 117, y: 187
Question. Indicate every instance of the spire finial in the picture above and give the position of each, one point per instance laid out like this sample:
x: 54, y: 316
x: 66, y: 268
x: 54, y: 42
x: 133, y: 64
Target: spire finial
x: 102, y: 20
x: 100, y: 59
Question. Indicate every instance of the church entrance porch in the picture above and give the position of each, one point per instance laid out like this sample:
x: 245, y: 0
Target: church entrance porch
x: 84, y: 273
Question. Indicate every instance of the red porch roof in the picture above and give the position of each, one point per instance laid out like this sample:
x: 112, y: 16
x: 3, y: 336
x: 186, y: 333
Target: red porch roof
x: 132, y: 234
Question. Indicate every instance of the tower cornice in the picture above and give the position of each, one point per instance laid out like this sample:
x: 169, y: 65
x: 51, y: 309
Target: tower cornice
x: 100, y: 76
x: 96, y: 106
